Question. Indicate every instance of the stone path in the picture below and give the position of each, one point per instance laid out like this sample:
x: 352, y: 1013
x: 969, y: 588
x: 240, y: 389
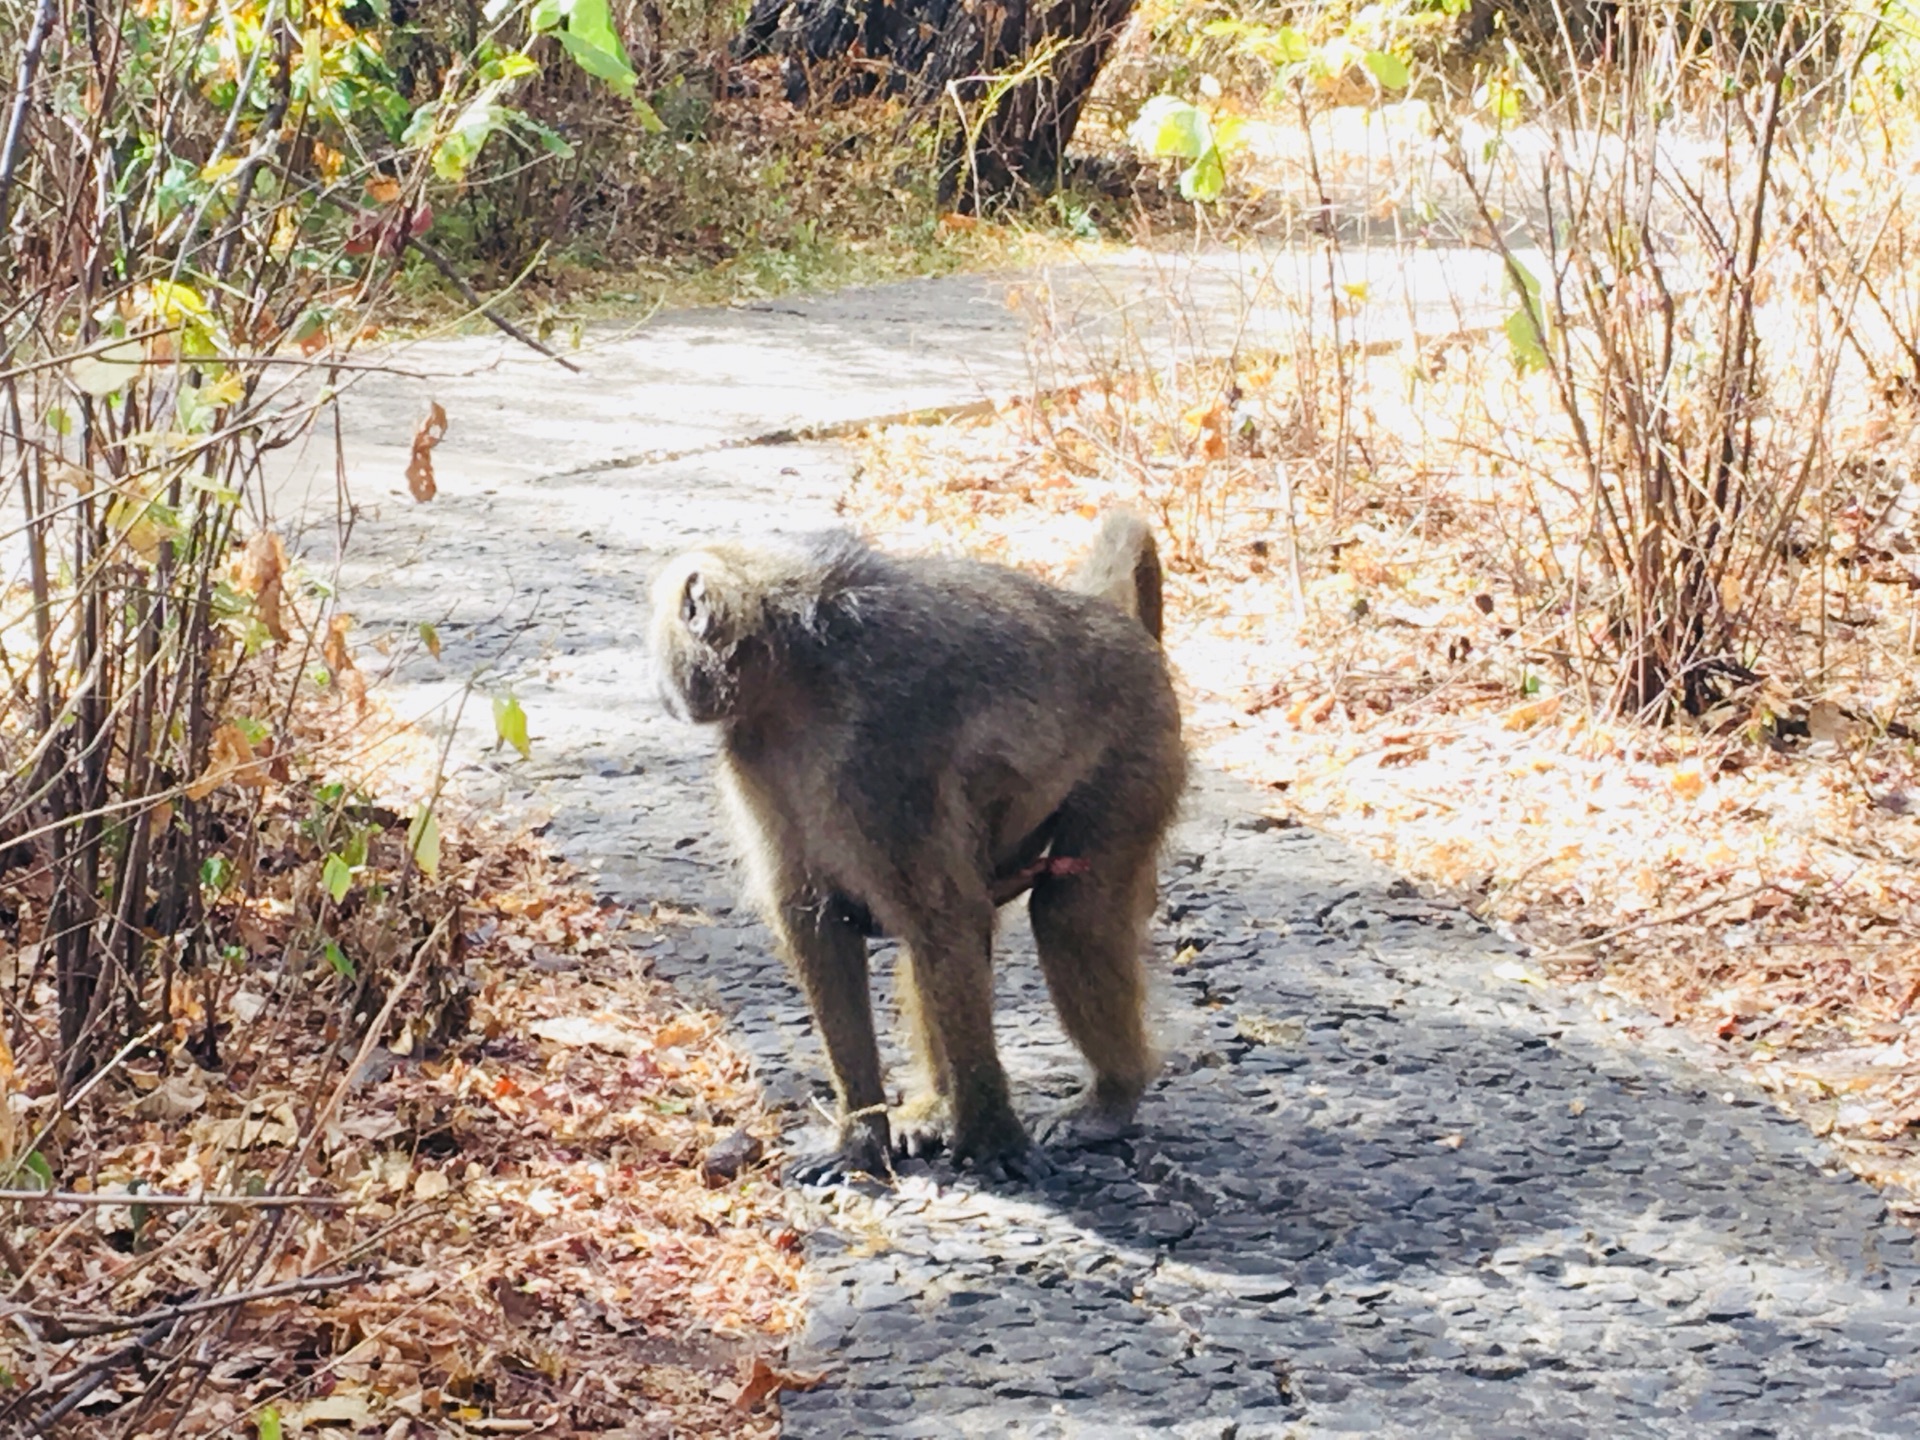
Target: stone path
x: 1384, y: 1187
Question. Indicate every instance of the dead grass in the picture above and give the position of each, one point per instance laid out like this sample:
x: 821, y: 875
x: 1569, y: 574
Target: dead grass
x: 1388, y: 659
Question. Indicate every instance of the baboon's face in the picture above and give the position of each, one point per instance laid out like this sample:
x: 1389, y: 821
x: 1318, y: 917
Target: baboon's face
x: 695, y: 655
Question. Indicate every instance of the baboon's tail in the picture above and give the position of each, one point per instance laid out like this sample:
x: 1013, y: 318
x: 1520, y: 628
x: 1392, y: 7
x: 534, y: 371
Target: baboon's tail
x: 1124, y: 567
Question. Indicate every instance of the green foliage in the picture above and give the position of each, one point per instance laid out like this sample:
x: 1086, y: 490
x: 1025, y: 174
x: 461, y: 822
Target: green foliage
x: 1168, y: 127
x: 510, y: 724
x: 1527, y: 328
x: 423, y: 841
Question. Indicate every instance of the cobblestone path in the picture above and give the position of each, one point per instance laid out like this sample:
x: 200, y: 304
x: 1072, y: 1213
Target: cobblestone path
x: 1385, y: 1186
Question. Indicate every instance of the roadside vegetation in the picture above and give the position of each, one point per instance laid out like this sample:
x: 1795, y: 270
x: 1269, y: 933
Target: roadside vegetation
x: 328, y: 1103
x: 1551, y: 528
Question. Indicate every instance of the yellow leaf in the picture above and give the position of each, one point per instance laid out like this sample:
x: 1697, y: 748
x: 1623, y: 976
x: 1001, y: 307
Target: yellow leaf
x: 172, y: 301
x: 1532, y: 713
x: 229, y: 389
x: 1685, y: 779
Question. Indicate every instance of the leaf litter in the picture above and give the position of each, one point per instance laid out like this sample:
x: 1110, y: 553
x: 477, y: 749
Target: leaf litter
x: 492, y: 1118
x: 1378, y: 660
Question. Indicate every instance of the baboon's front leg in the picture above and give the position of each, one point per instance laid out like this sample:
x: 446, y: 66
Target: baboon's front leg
x: 829, y: 955
x: 952, y: 963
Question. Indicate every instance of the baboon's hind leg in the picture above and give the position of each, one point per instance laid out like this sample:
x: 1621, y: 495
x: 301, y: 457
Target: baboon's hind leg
x: 1090, y: 928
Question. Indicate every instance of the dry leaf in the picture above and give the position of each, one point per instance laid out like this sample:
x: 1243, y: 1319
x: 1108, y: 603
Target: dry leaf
x: 1827, y: 721
x: 334, y: 648
x: 578, y: 1030
x: 1532, y: 713
x: 763, y: 1380
x: 174, y: 1099
x: 230, y: 760
x: 681, y: 1030
x: 8, y: 1138
x: 338, y: 1408
x: 432, y: 431
x: 1686, y: 779
x: 261, y: 573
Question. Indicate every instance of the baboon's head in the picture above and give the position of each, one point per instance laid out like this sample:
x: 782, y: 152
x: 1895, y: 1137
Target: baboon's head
x: 706, y: 633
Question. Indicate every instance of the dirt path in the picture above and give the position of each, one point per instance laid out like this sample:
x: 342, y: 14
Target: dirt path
x: 1383, y: 1188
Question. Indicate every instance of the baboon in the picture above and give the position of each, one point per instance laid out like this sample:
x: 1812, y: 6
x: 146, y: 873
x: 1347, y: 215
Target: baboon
x: 905, y: 746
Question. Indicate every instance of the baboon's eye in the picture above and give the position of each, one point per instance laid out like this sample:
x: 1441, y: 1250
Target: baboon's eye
x: 693, y: 609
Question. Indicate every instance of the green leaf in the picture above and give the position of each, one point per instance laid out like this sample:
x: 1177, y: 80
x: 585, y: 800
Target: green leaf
x: 216, y: 872
x: 337, y: 958
x: 600, y: 63
x: 266, y: 1425
x: 36, y: 1165
x: 337, y: 875
x: 510, y: 724
x: 1170, y: 127
x: 423, y: 841
x: 592, y: 21
x: 58, y: 420
x: 509, y: 67
x: 1527, y: 328
x: 1524, y: 340
x: 1389, y: 70
x: 1205, y: 178
x: 430, y: 638
x: 1289, y: 47
x: 546, y: 15
x: 648, y: 117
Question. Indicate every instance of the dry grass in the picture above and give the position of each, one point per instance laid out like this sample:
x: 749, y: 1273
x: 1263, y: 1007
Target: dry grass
x: 512, y: 1218
x: 1388, y: 654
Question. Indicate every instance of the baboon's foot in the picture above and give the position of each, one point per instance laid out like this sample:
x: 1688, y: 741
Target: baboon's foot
x: 1090, y: 1118
x: 923, y: 1126
x: 862, y: 1148
x: 998, y: 1148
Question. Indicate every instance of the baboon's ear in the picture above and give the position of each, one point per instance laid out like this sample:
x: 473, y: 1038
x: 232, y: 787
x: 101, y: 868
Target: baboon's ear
x: 695, y: 611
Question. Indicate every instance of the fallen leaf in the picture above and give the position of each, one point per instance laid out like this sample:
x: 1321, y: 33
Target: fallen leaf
x: 580, y: 1031
x: 175, y: 1098
x: 1264, y: 1030
x: 1532, y: 713
x: 681, y: 1030
x: 1686, y: 780
x: 335, y: 1409
x: 432, y: 431
x: 1827, y: 721
x: 763, y: 1380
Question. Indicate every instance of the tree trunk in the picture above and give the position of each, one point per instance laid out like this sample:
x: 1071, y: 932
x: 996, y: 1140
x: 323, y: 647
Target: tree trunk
x: 1010, y: 76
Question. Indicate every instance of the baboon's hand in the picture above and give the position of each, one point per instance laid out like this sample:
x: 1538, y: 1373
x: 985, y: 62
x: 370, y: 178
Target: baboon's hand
x: 862, y: 1148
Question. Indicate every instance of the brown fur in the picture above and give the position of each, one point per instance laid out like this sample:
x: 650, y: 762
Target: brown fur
x: 904, y: 745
